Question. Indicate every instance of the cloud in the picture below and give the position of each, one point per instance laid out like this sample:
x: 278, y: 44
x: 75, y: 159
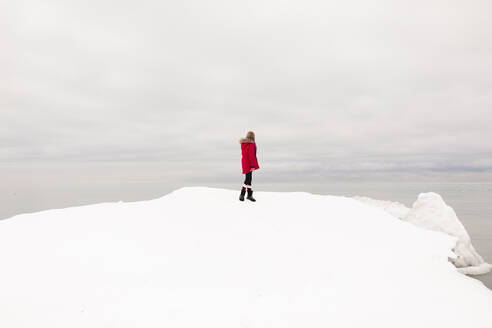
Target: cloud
x: 328, y: 87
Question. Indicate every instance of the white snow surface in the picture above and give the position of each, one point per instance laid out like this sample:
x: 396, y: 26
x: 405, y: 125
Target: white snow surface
x: 396, y: 209
x: 200, y: 258
x: 430, y: 211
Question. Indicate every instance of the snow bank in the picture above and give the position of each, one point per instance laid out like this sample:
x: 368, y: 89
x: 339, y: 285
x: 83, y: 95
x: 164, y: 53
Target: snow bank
x: 431, y: 212
x: 396, y: 209
x: 200, y: 258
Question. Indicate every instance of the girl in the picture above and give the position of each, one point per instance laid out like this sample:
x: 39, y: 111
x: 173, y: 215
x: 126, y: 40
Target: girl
x: 249, y: 163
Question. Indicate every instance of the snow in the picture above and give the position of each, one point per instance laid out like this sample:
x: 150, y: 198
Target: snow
x: 200, y: 258
x: 396, y: 209
x: 431, y: 212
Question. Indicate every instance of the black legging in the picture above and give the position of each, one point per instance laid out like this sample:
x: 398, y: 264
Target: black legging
x: 247, y: 180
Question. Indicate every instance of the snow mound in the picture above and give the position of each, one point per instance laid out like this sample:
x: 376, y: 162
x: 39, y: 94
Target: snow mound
x: 430, y: 211
x: 200, y: 258
x: 396, y: 209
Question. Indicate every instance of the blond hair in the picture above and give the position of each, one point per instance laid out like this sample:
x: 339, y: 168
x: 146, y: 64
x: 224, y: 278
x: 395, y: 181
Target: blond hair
x: 250, y: 135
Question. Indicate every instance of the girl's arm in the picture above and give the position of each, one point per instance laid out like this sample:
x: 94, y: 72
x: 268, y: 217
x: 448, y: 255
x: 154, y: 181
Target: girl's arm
x: 253, y: 161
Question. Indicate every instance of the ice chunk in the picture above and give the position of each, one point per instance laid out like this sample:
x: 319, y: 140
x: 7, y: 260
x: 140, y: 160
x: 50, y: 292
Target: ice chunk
x: 431, y: 212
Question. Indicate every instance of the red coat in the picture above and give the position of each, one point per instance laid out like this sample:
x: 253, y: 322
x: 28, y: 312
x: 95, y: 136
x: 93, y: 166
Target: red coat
x: 249, y: 160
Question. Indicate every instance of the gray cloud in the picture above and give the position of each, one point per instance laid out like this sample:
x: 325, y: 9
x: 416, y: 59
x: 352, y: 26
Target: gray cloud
x: 329, y: 88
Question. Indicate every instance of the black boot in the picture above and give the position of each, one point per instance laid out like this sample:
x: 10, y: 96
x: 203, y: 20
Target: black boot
x: 241, y: 197
x: 250, y: 195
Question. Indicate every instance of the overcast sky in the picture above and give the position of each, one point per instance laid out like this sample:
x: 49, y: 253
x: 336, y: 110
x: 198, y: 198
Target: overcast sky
x: 329, y: 87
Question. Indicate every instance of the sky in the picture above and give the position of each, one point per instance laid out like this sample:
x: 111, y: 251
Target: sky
x: 332, y: 89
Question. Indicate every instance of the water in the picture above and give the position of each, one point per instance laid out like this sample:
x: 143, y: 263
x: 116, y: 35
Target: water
x: 471, y: 201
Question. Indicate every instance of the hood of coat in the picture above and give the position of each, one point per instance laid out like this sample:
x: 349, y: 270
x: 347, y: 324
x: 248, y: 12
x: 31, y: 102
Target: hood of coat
x: 246, y: 140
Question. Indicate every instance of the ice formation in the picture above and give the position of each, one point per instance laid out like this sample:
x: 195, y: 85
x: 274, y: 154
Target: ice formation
x: 396, y: 209
x: 430, y: 211
x: 200, y: 258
